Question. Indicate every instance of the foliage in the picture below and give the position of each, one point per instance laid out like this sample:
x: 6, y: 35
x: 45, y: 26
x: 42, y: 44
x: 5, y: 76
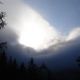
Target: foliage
x: 2, y: 20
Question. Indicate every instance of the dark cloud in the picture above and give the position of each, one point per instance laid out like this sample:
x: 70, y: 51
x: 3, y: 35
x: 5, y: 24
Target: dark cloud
x: 8, y: 35
x: 62, y: 55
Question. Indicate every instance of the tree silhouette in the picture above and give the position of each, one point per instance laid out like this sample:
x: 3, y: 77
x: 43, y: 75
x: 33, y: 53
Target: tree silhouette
x: 32, y: 66
x: 32, y: 70
x: 3, y: 57
x: 3, y: 45
x: 43, y: 72
x: 78, y: 61
x: 2, y: 22
x: 22, y: 67
x: 23, y: 72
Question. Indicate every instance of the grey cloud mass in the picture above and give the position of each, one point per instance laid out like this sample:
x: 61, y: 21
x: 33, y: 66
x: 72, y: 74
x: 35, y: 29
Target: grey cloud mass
x: 64, y: 52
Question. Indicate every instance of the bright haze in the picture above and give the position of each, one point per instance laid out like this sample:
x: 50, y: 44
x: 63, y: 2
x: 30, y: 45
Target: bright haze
x: 35, y: 32
x: 30, y: 27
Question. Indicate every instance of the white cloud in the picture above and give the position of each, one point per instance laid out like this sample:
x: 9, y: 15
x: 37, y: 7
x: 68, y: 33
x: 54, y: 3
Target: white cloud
x: 75, y: 33
x: 20, y: 14
x: 17, y: 11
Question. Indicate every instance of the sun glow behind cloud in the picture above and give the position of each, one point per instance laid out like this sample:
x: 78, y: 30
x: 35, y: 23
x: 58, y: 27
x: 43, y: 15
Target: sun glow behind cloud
x: 31, y: 28
x: 36, y: 32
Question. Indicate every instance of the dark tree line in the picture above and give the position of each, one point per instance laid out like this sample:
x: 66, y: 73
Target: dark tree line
x: 9, y: 69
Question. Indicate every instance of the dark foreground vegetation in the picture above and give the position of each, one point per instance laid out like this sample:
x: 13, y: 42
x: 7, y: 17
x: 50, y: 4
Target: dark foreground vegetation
x: 10, y: 70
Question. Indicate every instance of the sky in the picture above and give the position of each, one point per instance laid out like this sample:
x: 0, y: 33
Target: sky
x: 63, y: 14
x: 48, y: 30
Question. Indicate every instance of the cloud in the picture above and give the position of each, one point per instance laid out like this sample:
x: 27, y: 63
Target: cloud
x: 8, y: 35
x: 20, y: 14
x: 75, y: 33
x: 15, y: 14
x: 15, y: 9
x: 63, y: 53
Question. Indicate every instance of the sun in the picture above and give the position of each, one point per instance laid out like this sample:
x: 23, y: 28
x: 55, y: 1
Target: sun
x: 35, y: 31
x: 32, y: 36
